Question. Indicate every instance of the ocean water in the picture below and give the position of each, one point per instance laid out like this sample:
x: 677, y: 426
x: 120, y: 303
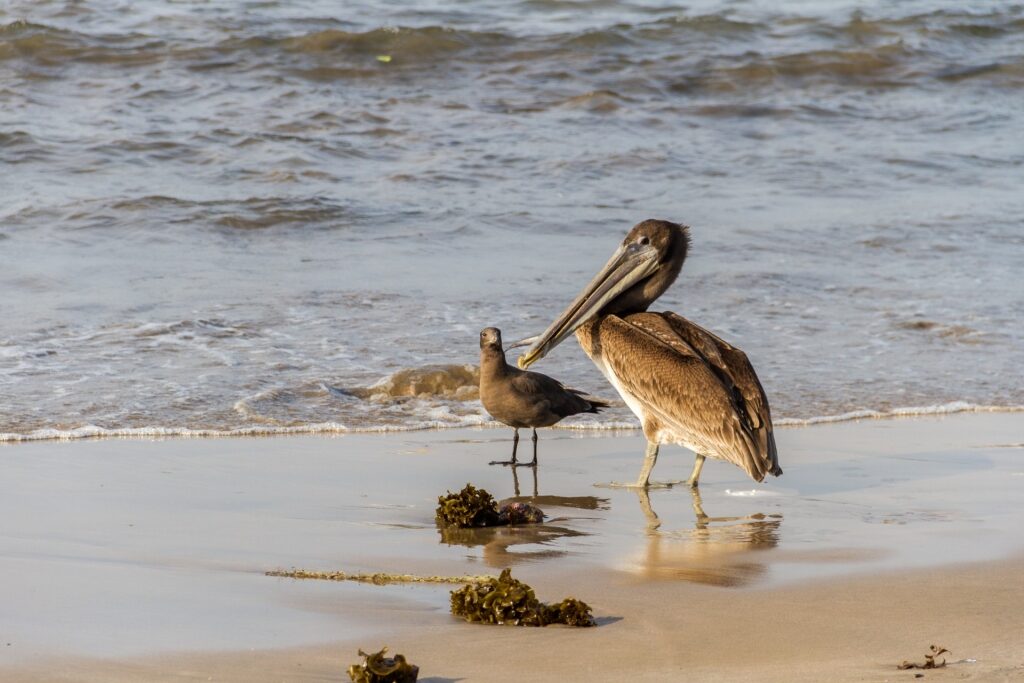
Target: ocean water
x: 296, y: 216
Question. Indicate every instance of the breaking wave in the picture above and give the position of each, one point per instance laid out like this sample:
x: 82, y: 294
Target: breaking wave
x: 910, y: 411
x: 446, y: 420
x: 883, y: 52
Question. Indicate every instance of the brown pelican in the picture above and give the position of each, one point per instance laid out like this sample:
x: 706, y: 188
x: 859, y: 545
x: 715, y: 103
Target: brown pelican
x: 524, y: 399
x: 686, y: 385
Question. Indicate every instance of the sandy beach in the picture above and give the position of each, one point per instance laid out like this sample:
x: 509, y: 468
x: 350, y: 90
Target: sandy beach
x: 128, y: 560
x: 247, y: 251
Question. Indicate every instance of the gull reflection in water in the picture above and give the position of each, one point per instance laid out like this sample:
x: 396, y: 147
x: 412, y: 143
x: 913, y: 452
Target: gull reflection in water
x: 498, y: 541
x: 717, y: 551
x: 515, y: 480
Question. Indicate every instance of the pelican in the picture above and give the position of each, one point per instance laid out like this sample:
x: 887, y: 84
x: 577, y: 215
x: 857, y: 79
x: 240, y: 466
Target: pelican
x: 687, y: 386
x: 524, y: 399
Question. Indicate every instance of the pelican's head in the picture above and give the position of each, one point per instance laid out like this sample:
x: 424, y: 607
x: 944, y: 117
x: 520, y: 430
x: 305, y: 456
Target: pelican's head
x: 639, y: 271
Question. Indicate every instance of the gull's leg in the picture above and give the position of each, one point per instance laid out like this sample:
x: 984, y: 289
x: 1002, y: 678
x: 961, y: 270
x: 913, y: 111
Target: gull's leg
x: 515, y: 482
x: 698, y: 464
x: 533, y: 463
x: 515, y: 445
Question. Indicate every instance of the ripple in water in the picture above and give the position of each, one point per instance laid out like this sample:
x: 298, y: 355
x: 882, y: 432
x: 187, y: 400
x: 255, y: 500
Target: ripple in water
x: 243, y: 222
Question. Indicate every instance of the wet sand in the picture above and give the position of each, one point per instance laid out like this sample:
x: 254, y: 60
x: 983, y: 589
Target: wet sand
x: 126, y: 560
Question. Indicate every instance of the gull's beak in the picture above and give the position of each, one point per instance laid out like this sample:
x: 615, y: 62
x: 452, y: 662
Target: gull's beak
x: 628, y: 265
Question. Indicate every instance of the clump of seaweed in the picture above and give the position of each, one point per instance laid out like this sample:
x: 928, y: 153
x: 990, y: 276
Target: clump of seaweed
x: 929, y: 659
x: 376, y: 668
x: 520, y: 513
x: 472, y: 507
x: 571, y: 612
x: 505, y: 600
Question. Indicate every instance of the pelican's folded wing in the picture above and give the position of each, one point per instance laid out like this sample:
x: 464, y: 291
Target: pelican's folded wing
x: 680, y: 388
x: 733, y: 367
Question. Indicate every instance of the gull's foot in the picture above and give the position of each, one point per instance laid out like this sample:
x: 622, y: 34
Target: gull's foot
x: 512, y: 463
x: 636, y: 485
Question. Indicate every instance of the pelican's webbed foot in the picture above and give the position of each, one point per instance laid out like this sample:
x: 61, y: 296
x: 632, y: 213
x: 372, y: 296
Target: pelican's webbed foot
x: 644, y: 480
x: 644, y: 486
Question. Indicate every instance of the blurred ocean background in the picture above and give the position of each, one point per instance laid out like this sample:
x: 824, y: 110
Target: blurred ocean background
x: 296, y: 216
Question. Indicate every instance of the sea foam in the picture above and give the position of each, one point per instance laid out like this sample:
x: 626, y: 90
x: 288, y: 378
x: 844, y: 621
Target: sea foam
x: 443, y: 418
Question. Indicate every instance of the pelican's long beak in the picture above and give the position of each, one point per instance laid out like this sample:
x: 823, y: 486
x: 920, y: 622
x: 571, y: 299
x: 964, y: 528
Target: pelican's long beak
x: 522, y: 342
x: 628, y: 265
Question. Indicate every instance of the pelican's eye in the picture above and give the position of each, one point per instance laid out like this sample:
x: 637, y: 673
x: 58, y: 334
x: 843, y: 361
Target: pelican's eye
x: 645, y: 240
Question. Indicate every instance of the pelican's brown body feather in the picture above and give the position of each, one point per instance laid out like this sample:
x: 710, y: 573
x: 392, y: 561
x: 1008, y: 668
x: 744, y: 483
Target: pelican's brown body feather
x: 687, y: 385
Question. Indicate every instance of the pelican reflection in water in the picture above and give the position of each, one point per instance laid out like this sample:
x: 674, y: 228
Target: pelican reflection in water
x: 686, y: 385
x: 717, y: 551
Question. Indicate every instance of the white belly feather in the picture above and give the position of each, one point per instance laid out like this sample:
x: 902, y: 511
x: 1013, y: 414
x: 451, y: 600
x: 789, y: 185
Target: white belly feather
x: 636, y: 406
x: 668, y: 432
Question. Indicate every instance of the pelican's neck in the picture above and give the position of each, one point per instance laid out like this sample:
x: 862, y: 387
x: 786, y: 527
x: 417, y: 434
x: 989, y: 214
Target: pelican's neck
x: 586, y: 335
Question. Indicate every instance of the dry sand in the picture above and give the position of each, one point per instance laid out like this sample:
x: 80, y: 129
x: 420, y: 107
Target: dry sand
x: 143, y: 560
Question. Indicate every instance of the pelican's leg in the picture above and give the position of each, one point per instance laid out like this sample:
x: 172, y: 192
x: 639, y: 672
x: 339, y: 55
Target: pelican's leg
x: 515, y: 445
x: 698, y: 464
x: 698, y: 509
x: 644, y: 480
x: 649, y: 514
x: 650, y: 457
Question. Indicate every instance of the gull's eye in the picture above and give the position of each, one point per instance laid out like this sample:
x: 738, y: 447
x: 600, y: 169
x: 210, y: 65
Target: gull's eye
x: 645, y: 240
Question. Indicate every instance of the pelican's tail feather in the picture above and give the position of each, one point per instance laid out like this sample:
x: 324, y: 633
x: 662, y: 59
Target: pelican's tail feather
x: 773, y: 455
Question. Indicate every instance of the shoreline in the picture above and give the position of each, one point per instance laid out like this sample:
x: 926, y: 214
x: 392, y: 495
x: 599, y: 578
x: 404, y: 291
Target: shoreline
x: 90, y: 432
x: 144, y: 559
